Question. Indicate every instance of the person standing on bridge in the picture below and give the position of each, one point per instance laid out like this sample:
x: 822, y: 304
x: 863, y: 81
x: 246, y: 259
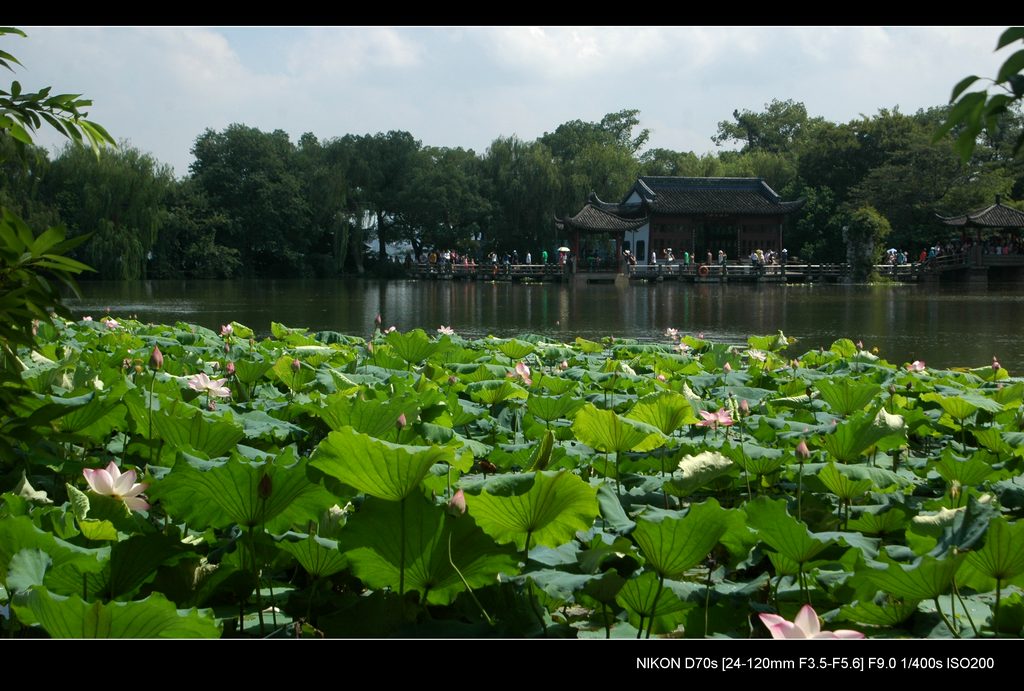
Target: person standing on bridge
x: 544, y: 257
x: 529, y: 258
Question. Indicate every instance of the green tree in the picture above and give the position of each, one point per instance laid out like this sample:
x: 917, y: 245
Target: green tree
x: 119, y: 198
x: 524, y: 189
x: 187, y: 245
x: 864, y: 234
x: 252, y: 178
x: 777, y: 129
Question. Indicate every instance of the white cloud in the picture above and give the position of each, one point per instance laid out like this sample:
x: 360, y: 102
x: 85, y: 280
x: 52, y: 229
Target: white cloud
x: 344, y: 52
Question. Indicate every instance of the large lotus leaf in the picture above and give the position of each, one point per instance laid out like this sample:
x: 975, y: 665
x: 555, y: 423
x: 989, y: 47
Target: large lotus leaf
x: 541, y: 456
x: 414, y: 347
x: 70, y: 566
x: 603, y: 430
x: 375, y: 417
x: 295, y: 379
x: 548, y: 408
x: 926, y: 579
x: 862, y: 431
x: 257, y: 424
x: 26, y: 569
x: 844, y: 347
x: 1002, y: 557
x: 886, y: 522
x: 665, y: 410
x: 560, y: 585
x: 273, y: 494
x: 780, y: 531
x: 249, y: 371
x: 554, y: 385
x: 153, y: 617
x: 846, y: 395
x: 754, y: 458
x: 372, y: 542
x: 184, y: 427
x: 641, y: 599
x: 612, y: 512
x: 585, y: 346
x: 776, y: 342
x: 319, y: 556
x: 992, y: 439
x: 491, y: 392
x: 377, y: 467
x: 96, y: 418
x: 672, y: 546
x: 957, y: 406
x: 695, y: 471
x: 135, y: 560
x: 841, y: 484
x: 463, y: 412
x: 967, y: 472
x: 549, y: 513
x: 515, y: 349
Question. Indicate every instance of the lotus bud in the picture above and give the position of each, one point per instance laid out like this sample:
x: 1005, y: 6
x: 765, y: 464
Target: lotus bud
x: 727, y: 368
x: 369, y: 347
x: 227, y: 347
x: 954, y: 490
x: 230, y: 369
x: 860, y: 345
x: 745, y: 407
x: 661, y: 377
x: 378, y: 321
x: 226, y: 330
x: 156, y: 359
x: 401, y: 422
x: 802, y: 451
x: 995, y: 364
x: 452, y: 380
x: 457, y: 504
x: 296, y: 365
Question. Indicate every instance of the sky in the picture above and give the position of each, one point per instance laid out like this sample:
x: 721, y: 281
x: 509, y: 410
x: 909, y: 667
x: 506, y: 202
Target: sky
x: 161, y: 87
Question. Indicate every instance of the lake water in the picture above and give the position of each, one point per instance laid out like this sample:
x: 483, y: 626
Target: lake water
x: 945, y: 325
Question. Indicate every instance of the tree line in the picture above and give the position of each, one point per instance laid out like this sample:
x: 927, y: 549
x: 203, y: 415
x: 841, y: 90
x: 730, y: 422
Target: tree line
x: 258, y: 204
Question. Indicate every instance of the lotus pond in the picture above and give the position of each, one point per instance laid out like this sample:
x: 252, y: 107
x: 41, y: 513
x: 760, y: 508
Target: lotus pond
x: 176, y: 481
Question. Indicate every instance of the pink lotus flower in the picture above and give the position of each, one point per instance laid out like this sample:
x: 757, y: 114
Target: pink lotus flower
x: 215, y: 387
x: 110, y: 482
x: 230, y: 369
x: 860, y: 345
x: 804, y: 625
x: 445, y: 330
x: 727, y: 368
x: 802, y: 451
x: 563, y: 365
x: 87, y: 319
x: 111, y: 323
x: 916, y: 366
x: 457, y: 504
x: 672, y: 333
x: 524, y: 373
x: 661, y: 377
x: 226, y: 330
x: 156, y: 358
x: 757, y: 354
x: 713, y: 420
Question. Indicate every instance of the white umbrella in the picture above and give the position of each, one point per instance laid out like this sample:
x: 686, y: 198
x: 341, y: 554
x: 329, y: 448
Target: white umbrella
x: 563, y: 248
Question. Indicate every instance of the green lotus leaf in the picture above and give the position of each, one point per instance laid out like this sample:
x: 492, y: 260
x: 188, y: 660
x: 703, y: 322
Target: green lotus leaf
x: 26, y: 569
x: 892, y: 520
x: 134, y: 561
x: 548, y: 408
x: 548, y: 513
x: 754, y: 458
x: 672, y: 546
x: 153, y: 617
x: 294, y: 379
x: 585, y: 346
x: 541, y: 456
x: 641, y: 599
x: 666, y: 411
x: 957, y: 406
x: 861, y: 431
x: 846, y: 395
x: 378, y: 468
x: 257, y: 424
x: 560, y: 585
x: 376, y: 417
x: 70, y: 566
x: 185, y: 427
x: 603, y: 430
x: 414, y: 346
x: 841, y: 484
x: 612, y: 512
x: 274, y: 494
x: 372, y: 544
x: 695, y: 471
x: 968, y: 472
x: 844, y: 347
x: 515, y: 349
x: 492, y: 392
x: 319, y: 556
x: 780, y: 531
x: 1002, y: 557
x: 891, y: 613
x: 926, y: 579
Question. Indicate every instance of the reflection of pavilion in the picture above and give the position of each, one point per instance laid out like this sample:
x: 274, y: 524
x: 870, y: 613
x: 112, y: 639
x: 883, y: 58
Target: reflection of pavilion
x: 695, y: 215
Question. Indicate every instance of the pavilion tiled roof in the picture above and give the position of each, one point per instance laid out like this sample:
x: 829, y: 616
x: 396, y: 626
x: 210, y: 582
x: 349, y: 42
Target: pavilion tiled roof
x: 596, y: 219
x: 718, y: 196
x: 995, y: 216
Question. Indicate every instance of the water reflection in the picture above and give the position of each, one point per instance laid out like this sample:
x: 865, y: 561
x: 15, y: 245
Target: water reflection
x: 947, y: 325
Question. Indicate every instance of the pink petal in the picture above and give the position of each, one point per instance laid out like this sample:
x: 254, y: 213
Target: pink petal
x: 779, y: 627
x: 137, y: 503
x: 135, y: 490
x: 99, y: 481
x: 114, y: 471
x: 807, y: 620
x: 841, y: 633
x: 124, y: 483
